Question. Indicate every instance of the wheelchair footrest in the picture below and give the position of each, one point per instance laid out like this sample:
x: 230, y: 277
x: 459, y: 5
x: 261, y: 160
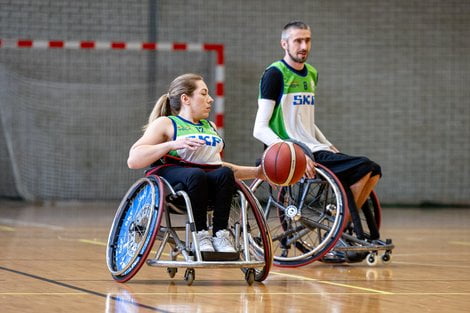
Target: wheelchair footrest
x: 220, y: 256
x: 206, y: 264
x: 368, y: 246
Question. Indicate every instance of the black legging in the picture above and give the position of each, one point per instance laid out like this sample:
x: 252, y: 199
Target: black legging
x: 217, y: 185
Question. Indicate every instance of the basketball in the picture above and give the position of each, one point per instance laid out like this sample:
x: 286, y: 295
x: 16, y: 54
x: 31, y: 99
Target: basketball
x: 284, y: 163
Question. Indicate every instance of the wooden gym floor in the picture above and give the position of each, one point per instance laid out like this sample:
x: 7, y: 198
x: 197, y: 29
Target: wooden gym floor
x: 52, y: 259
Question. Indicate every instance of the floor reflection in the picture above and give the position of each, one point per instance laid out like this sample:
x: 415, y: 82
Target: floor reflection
x: 182, y: 298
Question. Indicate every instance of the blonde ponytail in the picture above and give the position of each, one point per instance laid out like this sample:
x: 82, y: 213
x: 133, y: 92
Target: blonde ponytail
x: 170, y: 103
x: 161, y: 108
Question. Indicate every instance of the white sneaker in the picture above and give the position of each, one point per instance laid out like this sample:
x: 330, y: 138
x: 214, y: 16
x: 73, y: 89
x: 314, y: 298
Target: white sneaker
x: 222, y: 242
x: 205, y: 241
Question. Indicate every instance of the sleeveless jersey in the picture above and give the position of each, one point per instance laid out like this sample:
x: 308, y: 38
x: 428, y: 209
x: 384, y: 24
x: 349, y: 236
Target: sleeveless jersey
x: 209, y: 153
x: 294, y: 112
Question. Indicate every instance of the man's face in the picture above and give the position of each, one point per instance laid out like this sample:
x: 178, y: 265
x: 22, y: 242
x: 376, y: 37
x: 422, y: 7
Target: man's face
x: 298, y: 45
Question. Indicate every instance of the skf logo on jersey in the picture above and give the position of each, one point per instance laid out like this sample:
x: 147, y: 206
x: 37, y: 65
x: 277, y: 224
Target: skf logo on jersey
x: 210, y: 140
x: 304, y: 99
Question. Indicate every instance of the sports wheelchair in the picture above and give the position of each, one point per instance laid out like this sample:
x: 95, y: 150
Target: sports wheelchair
x: 144, y: 216
x: 311, y: 219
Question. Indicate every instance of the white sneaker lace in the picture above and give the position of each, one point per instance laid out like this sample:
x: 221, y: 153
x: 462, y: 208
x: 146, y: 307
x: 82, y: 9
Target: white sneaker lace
x: 224, y: 239
x: 205, y: 240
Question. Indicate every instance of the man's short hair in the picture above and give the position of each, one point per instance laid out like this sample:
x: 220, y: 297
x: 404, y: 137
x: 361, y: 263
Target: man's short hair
x: 293, y: 24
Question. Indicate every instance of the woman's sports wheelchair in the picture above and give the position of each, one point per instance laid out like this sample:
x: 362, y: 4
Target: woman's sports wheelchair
x: 144, y: 216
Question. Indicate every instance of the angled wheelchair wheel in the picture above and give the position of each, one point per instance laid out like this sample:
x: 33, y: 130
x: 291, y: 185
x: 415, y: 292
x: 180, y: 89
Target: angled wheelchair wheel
x: 258, y: 245
x: 134, y: 228
x: 305, y: 219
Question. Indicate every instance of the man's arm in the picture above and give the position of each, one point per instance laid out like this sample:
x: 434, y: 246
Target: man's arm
x: 322, y: 139
x: 271, y: 86
x: 261, y: 130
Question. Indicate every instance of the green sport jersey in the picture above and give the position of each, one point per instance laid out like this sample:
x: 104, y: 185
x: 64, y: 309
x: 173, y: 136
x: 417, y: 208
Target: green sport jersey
x: 294, y: 113
x: 209, y: 153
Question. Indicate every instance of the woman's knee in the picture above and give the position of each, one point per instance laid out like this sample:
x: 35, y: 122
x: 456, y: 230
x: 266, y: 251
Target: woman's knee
x: 227, y: 174
x: 196, y: 178
x: 221, y: 176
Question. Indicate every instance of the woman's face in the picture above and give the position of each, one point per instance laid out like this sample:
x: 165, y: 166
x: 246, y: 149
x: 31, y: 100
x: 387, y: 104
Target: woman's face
x: 201, y: 101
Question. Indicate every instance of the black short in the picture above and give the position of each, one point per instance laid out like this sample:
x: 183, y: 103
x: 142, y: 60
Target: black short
x: 349, y: 169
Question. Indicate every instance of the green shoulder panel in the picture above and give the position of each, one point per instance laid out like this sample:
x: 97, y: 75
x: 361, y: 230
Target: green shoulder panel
x: 295, y: 83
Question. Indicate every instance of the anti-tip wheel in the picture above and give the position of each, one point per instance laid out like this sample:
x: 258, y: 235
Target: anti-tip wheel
x: 372, y: 259
x: 250, y: 276
x: 189, y: 276
x: 171, y: 271
x: 386, y: 258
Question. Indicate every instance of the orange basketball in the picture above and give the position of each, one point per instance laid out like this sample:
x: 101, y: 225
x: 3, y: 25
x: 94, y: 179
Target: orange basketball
x: 284, y: 163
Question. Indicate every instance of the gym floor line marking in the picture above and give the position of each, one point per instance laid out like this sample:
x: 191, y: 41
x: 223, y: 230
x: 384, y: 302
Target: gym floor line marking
x: 88, y: 291
x: 460, y: 243
x: 93, y: 242
x: 6, y: 228
x: 300, y: 293
x: 184, y: 294
x: 30, y: 224
x: 430, y: 265
x: 43, y: 294
x: 332, y: 283
x: 100, y: 243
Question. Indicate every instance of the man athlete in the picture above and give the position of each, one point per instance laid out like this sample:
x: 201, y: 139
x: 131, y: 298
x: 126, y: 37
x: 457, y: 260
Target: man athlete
x: 286, y: 110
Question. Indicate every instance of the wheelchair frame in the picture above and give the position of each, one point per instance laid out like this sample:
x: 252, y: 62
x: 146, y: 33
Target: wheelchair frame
x: 335, y: 237
x: 350, y: 243
x: 311, y: 217
x: 151, y: 201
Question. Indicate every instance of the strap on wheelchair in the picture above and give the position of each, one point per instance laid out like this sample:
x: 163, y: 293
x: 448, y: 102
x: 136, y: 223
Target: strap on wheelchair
x: 356, y: 220
x: 169, y: 160
x: 371, y: 223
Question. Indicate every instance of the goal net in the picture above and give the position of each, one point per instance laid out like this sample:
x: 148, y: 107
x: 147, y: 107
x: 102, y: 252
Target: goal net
x: 69, y: 116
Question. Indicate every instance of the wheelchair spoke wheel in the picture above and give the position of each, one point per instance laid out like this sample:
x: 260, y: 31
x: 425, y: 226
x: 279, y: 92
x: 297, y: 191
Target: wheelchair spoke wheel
x: 259, y: 246
x: 305, y: 219
x: 134, y: 228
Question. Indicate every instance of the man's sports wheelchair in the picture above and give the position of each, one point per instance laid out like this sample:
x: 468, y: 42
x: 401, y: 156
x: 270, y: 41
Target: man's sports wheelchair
x: 144, y: 216
x: 311, y: 221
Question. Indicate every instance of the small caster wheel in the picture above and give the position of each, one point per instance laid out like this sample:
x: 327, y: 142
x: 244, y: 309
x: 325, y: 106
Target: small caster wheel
x: 372, y: 259
x: 189, y: 276
x: 171, y: 271
x: 386, y: 258
x: 250, y: 276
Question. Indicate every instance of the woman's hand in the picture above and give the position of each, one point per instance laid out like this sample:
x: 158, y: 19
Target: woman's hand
x: 187, y: 143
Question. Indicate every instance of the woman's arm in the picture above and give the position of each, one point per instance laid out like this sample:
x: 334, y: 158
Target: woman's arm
x: 156, y: 142
x: 245, y: 172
